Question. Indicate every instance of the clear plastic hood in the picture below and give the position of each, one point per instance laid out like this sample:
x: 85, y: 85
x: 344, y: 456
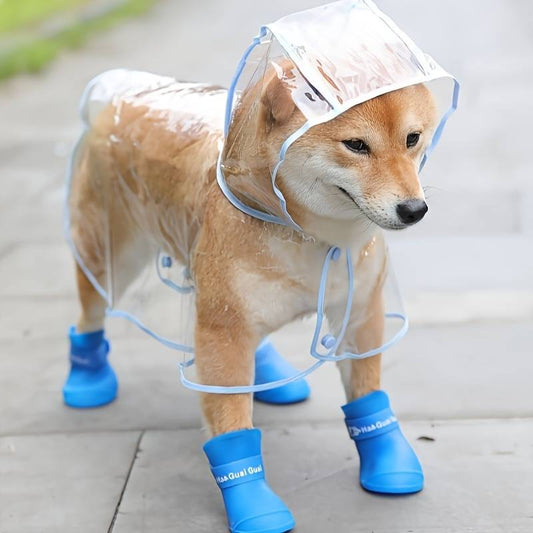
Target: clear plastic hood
x: 329, y: 59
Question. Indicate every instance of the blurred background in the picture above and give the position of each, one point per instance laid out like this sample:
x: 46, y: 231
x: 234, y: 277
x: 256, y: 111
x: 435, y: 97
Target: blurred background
x: 460, y: 380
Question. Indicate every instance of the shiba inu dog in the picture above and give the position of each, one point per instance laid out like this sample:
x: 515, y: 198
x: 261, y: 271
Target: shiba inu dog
x: 154, y: 143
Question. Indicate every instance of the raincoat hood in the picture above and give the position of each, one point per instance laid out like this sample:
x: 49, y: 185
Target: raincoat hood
x: 330, y: 59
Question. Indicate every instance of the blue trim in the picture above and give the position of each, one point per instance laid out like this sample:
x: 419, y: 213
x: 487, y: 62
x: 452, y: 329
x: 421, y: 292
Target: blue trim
x: 227, y: 120
x: 245, y: 389
x: 321, y: 302
x: 236, y: 76
x: 331, y: 354
x: 442, y: 123
x: 283, y: 151
x: 240, y: 205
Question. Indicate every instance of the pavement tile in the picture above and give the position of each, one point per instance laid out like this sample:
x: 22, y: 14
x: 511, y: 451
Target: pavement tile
x: 313, y: 468
x: 461, y: 371
x: 465, y: 371
x: 49, y: 318
x: 150, y: 396
x: 40, y: 269
x: 63, y: 483
x: 26, y: 222
x: 473, y: 370
x: 23, y: 186
x: 461, y: 494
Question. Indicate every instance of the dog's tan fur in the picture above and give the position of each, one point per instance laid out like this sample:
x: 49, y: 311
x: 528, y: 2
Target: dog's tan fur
x: 252, y: 277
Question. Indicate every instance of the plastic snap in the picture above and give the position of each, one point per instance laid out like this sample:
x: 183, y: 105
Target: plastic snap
x: 336, y: 253
x: 166, y: 261
x: 328, y: 341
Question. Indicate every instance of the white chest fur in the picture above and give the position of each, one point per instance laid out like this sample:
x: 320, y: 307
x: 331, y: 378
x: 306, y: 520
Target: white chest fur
x: 287, y: 288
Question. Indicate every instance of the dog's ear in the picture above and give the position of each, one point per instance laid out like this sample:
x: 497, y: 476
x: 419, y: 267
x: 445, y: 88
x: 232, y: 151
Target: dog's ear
x: 275, y: 96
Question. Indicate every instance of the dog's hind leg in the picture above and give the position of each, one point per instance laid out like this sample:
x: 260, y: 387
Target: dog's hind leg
x: 91, y: 381
x: 104, y: 243
x: 93, y: 306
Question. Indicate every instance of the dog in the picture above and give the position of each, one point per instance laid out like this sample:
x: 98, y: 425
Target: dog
x: 157, y: 141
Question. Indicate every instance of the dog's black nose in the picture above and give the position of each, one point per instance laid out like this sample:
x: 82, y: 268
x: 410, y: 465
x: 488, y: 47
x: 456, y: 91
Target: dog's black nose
x: 411, y: 211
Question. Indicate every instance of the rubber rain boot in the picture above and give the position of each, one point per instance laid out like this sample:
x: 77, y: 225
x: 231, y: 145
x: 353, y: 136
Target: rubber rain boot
x: 91, y: 381
x: 237, y: 466
x: 271, y: 366
x: 388, y: 463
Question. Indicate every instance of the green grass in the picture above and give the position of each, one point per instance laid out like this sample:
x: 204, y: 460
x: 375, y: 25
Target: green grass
x: 32, y: 55
x: 16, y: 14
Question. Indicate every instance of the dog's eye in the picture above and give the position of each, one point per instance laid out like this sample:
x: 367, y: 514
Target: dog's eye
x: 412, y: 139
x: 357, y: 145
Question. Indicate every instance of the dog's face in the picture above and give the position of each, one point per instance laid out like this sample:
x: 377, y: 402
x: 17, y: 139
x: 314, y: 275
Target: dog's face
x: 362, y: 164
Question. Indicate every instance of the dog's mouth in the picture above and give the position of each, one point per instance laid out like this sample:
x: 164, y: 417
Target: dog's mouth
x: 360, y: 209
x: 343, y: 190
x: 381, y: 223
x: 346, y: 193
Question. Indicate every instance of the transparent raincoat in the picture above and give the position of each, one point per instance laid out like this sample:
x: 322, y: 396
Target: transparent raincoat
x: 330, y: 58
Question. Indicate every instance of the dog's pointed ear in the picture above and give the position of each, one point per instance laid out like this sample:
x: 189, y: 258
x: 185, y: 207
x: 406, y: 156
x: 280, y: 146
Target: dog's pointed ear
x: 276, y: 96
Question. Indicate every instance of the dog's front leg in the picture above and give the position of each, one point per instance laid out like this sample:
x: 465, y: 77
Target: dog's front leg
x: 363, y: 376
x: 225, y: 348
x: 388, y: 463
x: 225, y: 356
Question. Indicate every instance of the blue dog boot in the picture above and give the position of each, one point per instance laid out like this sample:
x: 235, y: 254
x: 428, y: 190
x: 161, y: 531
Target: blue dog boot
x: 91, y: 381
x: 388, y: 464
x: 237, y: 466
x: 270, y: 366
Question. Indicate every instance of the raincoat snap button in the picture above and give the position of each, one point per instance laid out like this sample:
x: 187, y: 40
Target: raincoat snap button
x: 166, y: 261
x: 328, y: 341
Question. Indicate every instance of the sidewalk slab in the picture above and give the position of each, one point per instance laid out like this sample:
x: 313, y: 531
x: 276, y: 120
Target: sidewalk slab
x: 32, y: 374
x: 50, y: 317
x: 472, y: 370
x: 63, y: 483
x: 26, y: 222
x: 313, y: 467
x: 42, y: 269
x: 457, y: 371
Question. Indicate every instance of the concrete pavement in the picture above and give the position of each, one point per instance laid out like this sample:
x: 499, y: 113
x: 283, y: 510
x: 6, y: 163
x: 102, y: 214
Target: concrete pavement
x: 461, y: 377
